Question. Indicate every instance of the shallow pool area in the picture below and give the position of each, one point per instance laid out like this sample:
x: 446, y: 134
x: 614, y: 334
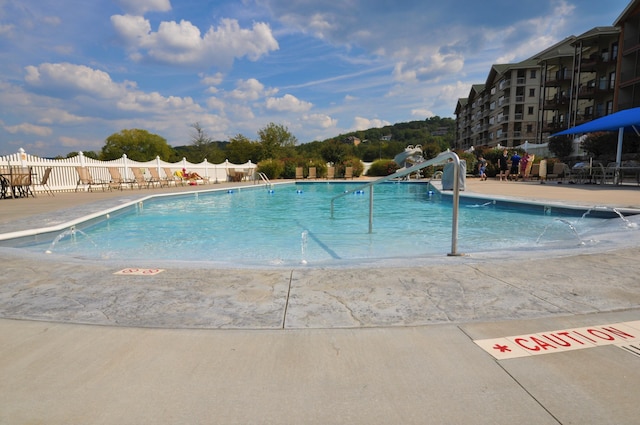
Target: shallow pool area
x: 290, y: 225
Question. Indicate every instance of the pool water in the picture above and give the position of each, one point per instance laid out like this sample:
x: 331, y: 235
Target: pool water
x: 292, y: 225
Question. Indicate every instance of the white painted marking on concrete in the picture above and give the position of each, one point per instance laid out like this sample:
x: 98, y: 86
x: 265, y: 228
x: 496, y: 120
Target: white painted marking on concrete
x: 559, y: 341
x: 630, y: 348
x: 139, y: 272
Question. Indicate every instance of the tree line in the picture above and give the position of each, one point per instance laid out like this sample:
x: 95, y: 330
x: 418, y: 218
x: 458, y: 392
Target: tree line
x: 279, y: 150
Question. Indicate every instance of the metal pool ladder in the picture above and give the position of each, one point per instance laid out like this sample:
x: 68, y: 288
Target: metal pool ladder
x: 441, y: 158
x: 265, y: 179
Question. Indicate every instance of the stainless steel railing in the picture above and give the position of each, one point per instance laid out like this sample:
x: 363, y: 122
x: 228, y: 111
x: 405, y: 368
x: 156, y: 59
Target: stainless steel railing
x: 442, y: 158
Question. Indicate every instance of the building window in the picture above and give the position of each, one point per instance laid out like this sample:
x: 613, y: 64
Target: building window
x: 529, y: 128
x: 612, y: 80
x: 532, y: 74
x: 532, y: 92
x: 530, y: 110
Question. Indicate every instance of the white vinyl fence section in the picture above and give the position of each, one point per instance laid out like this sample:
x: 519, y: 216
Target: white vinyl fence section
x: 64, y: 176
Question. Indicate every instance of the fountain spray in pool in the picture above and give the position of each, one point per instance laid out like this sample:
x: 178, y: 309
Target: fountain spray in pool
x: 568, y: 223
x: 71, y: 232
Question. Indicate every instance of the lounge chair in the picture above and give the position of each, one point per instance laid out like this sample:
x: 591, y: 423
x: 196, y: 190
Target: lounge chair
x: 155, y: 177
x: 86, y: 179
x: 312, y: 173
x: 117, y: 180
x: 558, y: 172
x: 299, y: 173
x: 331, y: 172
x: 44, y: 182
x: 348, y: 173
x: 140, y: 180
x: 172, y: 177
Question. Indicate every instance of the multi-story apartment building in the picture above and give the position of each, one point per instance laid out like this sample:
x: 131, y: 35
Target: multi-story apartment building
x: 503, y: 110
x: 627, y: 87
x: 576, y: 80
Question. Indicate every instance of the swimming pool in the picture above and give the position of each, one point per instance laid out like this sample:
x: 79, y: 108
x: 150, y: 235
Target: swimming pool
x: 291, y: 225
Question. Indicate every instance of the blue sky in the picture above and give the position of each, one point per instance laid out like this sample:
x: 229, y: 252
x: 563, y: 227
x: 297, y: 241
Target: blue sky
x: 73, y: 72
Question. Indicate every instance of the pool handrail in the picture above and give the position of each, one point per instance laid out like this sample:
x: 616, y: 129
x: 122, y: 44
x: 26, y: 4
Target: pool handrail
x: 265, y: 179
x: 441, y: 158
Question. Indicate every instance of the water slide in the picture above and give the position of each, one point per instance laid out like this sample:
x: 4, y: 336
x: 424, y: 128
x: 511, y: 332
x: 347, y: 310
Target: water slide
x: 412, y: 155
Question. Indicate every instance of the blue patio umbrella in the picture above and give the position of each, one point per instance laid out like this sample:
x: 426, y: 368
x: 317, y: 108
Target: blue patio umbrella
x: 627, y: 119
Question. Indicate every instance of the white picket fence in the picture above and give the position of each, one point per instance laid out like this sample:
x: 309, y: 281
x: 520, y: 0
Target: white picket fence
x: 64, y: 176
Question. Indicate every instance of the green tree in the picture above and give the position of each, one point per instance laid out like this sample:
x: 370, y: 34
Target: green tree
x: 276, y: 142
x: 334, y: 151
x: 204, y: 147
x: 240, y: 150
x: 138, y: 145
x: 561, y: 146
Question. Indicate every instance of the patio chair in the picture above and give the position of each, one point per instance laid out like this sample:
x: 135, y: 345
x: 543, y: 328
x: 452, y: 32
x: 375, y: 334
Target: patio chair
x: 535, y: 172
x: 117, y: 180
x: 331, y: 172
x: 348, y: 173
x: 21, y: 182
x: 44, y: 182
x: 235, y: 176
x: 312, y: 173
x: 172, y: 177
x: 558, y: 172
x: 155, y: 177
x: 86, y: 179
x: 141, y: 180
x: 5, y: 183
x: 299, y: 173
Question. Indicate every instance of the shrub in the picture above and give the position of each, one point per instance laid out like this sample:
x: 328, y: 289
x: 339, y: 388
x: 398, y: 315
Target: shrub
x: 382, y: 167
x: 352, y: 161
x: 273, y: 168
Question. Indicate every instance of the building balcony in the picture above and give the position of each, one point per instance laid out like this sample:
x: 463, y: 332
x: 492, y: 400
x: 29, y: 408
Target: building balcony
x: 553, y: 127
x: 558, y: 79
x: 557, y: 102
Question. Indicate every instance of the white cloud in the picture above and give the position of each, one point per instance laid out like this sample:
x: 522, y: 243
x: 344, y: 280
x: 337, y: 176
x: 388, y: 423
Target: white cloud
x: 287, y: 103
x: 360, y: 123
x: 247, y: 90
x: 182, y: 43
x: 319, y: 120
x: 211, y: 80
x: 422, y: 113
x: 27, y: 128
x: 215, y: 104
x: 76, y: 78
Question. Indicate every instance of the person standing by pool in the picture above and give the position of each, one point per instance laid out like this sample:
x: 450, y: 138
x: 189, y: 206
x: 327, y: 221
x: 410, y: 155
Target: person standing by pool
x: 482, y: 168
x: 524, y: 161
x: 515, y: 165
x: 503, y: 165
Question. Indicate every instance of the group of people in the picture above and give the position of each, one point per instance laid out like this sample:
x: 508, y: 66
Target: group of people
x: 515, y: 165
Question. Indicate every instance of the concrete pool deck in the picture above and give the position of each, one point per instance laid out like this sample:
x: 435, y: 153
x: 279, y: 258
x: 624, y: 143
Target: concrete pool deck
x: 410, y: 345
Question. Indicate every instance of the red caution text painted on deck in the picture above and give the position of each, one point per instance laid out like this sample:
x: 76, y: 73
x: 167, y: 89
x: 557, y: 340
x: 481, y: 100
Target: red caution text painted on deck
x: 510, y: 347
x: 139, y: 272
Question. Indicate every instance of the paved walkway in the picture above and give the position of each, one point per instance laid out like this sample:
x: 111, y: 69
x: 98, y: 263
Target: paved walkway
x: 547, y: 340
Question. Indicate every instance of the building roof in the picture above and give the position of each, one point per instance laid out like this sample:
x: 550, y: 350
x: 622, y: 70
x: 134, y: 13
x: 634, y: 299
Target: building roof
x: 561, y: 49
x: 632, y: 9
x: 597, y: 32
